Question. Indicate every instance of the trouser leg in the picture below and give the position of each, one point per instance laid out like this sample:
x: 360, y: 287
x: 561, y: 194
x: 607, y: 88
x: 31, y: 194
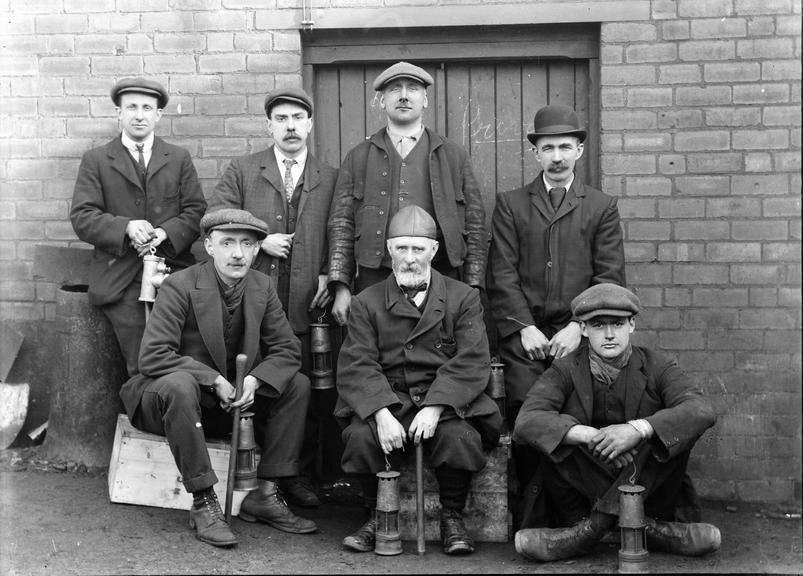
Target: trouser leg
x: 170, y: 406
x: 127, y: 317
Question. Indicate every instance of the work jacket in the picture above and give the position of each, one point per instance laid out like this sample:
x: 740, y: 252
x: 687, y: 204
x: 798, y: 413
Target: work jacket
x: 359, y: 222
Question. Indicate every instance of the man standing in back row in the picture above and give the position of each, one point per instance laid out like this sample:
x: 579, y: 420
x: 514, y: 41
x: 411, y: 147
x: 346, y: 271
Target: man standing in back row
x: 403, y: 164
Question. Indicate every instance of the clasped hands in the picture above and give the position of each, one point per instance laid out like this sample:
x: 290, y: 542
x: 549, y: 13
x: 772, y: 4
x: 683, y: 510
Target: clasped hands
x: 615, y: 444
x: 539, y: 347
x: 392, y: 435
x: 143, y: 236
x: 227, y: 393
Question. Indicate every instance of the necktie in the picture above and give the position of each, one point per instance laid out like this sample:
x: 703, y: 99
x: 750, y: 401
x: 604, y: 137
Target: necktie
x: 143, y: 169
x: 288, y: 178
x: 412, y: 291
x: 556, y: 196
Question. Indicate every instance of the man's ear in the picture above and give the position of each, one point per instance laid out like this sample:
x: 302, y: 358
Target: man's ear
x: 583, y: 328
x: 632, y: 322
x: 580, y: 148
x: 208, y: 246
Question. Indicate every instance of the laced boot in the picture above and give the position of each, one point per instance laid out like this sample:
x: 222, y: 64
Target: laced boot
x: 364, y: 539
x: 207, y: 519
x: 550, y: 544
x: 299, y: 491
x: 454, y: 535
x: 266, y: 505
x: 692, y: 539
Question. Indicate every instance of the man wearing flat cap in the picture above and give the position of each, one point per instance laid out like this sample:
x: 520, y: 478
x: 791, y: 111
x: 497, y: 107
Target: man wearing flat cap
x: 551, y: 239
x: 607, y: 414
x: 134, y: 195
x: 413, y: 368
x: 203, y: 318
x: 290, y: 189
x: 403, y: 164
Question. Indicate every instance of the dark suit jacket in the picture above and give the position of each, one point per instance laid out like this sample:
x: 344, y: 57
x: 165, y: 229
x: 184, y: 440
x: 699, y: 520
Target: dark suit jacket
x: 256, y: 184
x: 656, y: 390
x: 439, y: 356
x: 540, y: 260
x: 108, y: 194
x: 185, y: 333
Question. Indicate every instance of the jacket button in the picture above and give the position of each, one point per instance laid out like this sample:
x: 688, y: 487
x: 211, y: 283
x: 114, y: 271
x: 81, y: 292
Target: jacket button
x: 549, y: 264
x: 438, y: 345
x: 379, y: 252
x: 138, y: 202
x: 381, y: 212
x: 273, y: 266
x: 379, y: 232
x: 417, y: 398
x: 382, y: 193
x: 408, y: 346
x: 279, y: 217
x: 384, y: 173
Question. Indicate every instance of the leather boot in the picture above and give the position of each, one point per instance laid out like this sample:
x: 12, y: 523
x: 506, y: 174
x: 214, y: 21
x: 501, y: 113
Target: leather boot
x: 550, y: 544
x: 298, y: 491
x: 454, y: 536
x: 362, y: 540
x: 208, y: 522
x: 692, y: 539
x: 266, y: 505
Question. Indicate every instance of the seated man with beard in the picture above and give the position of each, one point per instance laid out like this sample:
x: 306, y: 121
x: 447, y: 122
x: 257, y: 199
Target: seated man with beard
x: 414, y: 367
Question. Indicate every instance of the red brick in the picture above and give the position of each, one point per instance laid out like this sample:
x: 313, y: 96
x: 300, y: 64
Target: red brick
x: 732, y: 207
x: 649, y: 274
x: 627, y: 75
x: 703, y: 96
x: 756, y: 274
x: 182, y: 63
x: 672, y: 164
x: 758, y: 162
x: 780, y: 207
x: 196, y: 84
x: 611, y: 54
x: 780, y: 70
x: 197, y: 126
x: 630, y: 208
x: 31, y: 169
x: 628, y: 32
x: 173, y: 21
x: 628, y: 164
x: 220, y: 42
x: 179, y: 42
x: 699, y: 274
x: 61, y: 24
x: 788, y: 25
x: 610, y: 142
x: 733, y: 252
x: 760, y: 139
x: 681, y: 252
x: 196, y: 5
x: 760, y: 230
x: 59, y: 189
x: 111, y: 22
x: 764, y: 296
x: 277, y: 19
x: 774, y: 184
x: 719, y: 28
x: 692, y: 141
x: 789, y: 297
x: 681, y: 340
x: 736, y: 339
x: 221, y: 63
x: 787, y: 161
x: 710, y: 318
x: 219, y: 105
x: 647, y: 141
x: 648, y: 186
x: 761, y: 7
x: 766, y: 318
x: 702, y: 50
x: 659, y: 319
x: 649, y: 97
x: 224, y: 147
x: 718, y: 297
x: 681, y: 208
x: 733, y: 116
x: 732, y: 72
x: 679, y: 74
x: 19, y: 148
x: 91, y: 127
x: 653, y: 52
x: 42, y: 210
x: 781, y: 252
x: 712, y: 162
x: 630, y: 119
x: 695, y: 9
x: 760, y: 93
x: 275, y: 62
x: 701, y: 230
x: 648, y: 230
x: 757, y: 361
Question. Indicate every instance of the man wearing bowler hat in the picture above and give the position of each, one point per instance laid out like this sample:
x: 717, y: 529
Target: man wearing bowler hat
x: 290, y: 189
x: 134, y: 195
x: 413, y: 368
x: 203, y: 318
x: 551, y: 239
x: 402, y: 164
x: 611, y: 413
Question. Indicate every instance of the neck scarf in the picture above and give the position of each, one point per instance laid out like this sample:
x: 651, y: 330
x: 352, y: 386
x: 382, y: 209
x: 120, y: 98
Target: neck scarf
x: 607, y: 371
x: 232, y: 295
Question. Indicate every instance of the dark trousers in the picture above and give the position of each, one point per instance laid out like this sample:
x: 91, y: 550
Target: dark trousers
x: 581, y: 483
x: 127, y: 317
x: 171, y: 406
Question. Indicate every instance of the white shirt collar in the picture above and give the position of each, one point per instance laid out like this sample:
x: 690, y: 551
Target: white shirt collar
x: 549, y: 186
x: 132, y: 145
x: 298, y: 167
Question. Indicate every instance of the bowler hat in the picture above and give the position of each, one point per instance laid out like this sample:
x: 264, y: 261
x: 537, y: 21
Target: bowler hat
x: 233, y: 219
x: 412, y: 220
x: 289, y: 94
x: 605, y: 300
x: 140, y: 85
x: 402, y: 70
x: 556, y: 120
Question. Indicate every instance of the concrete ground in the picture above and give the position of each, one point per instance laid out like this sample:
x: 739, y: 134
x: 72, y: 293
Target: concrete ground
x: 57, y: 519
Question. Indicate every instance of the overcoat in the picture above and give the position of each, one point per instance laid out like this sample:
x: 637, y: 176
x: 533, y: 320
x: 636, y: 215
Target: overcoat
x: 359, y: 223
x: 396, y: 357
x: 656, y: 389
x: 108, y: 194
x: 185, y: 333
x: 540, y: 260
x: 255, y: 183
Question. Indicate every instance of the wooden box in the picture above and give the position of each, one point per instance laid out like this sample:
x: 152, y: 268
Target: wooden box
x: 486, y: 514
x: 142, y: 470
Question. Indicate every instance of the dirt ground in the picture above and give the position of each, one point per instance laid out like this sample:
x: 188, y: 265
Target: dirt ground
x: 56, y: 519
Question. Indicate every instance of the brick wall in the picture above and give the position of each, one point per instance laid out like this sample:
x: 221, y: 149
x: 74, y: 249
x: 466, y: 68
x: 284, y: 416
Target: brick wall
x: 701, y: 141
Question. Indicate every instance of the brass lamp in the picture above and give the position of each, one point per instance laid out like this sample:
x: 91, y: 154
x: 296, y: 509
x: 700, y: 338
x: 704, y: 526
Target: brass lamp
x: 633, y: 554
x: 496, y: 385
x: 321, y: 347
x: 388, y: 537
x: 245, y: 472
x: 154, y: 271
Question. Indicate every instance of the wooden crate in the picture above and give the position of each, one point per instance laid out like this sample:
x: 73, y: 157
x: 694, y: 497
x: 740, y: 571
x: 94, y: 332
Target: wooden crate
x: 486, y: 514
x: 142, y: 470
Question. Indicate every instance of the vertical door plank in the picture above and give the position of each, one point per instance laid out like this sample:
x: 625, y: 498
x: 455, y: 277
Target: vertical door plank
x: 482, y: 109
x: 327, y: 115
x: 509, y: 145
x: 535, y: 94
x: 352, y: 107
x: 374, y: 114
x: 437, y: 102
x: 581, y: 105
x: 458, y: 123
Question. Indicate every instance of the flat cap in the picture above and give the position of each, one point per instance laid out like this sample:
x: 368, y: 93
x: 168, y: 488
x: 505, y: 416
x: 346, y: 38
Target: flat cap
x: 412, y: 220
x: 605, y: 300
x: 290, y: 94
x: 556, y: 120
x: 402, y: 70
x: 233, y: 219
x: 140, y: 85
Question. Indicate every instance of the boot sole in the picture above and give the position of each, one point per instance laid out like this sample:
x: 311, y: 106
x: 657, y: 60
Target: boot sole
x: 252, y: 518
x: 218, y: 543
x: 352, y: 544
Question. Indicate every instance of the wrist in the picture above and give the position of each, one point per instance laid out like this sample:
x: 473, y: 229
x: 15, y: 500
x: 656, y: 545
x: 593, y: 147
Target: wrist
x: 642, y: 427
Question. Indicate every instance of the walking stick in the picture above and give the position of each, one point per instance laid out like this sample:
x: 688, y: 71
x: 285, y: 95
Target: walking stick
x: 240, y: 363
x: 419, y: 496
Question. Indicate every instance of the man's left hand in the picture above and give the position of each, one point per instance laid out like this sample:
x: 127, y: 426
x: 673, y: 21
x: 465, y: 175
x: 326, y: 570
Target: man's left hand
x: 250, y: 385
x: 424, y: 424
x: 143, y: 249
x: 322, y: 297
x: 565, y: 341
x: 613, y: 441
